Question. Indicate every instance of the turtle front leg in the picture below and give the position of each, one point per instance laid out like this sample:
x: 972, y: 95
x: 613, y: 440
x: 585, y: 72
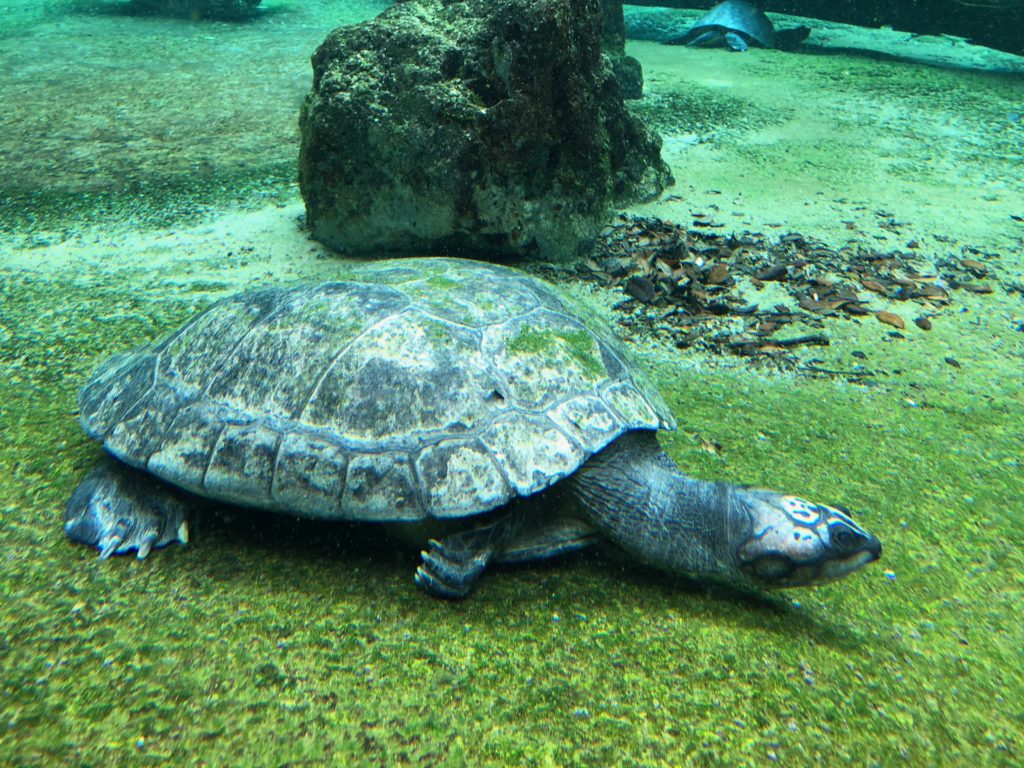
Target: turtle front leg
x: 452, y: 565
x: 118, y: 509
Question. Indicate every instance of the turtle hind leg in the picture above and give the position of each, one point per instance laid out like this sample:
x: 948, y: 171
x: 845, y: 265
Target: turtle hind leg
x: 117, y: 509
x: 452, y: 565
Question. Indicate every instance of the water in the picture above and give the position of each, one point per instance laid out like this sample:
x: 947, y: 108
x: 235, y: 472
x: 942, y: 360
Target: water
x: 148, y: 170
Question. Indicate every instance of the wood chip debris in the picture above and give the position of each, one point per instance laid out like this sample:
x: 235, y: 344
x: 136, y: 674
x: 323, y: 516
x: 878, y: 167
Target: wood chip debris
x: 689, y: 280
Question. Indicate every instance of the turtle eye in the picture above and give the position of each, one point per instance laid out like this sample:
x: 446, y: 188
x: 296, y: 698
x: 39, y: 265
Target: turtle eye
x: 844, y: 539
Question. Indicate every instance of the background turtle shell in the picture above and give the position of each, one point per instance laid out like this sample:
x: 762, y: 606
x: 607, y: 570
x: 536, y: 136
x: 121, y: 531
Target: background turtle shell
x: 414, y: 388
x: 735, y: 16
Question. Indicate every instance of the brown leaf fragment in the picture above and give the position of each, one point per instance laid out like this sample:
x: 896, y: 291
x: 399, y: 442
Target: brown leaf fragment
x: 818, y: 339
x: 871, y: 285
x: 844, y: 293
x: 923, y: 323
x: 664, y: 268
x: 890, y: 318
x: 743, y: 346
x: 774, y: 272
x: 935, y: 292
x: 718, y: 274
x: 975, y: 288
x: 706, y: 223
x: 618, y: 266
x: 641, y: 289
x: 711, y: 446
x: 819, y: 305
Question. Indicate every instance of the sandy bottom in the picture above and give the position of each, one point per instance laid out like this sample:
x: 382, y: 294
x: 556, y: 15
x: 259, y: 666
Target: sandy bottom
x: 114, y: 124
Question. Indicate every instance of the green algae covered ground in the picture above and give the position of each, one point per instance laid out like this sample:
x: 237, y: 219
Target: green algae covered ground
x: 271, y: 642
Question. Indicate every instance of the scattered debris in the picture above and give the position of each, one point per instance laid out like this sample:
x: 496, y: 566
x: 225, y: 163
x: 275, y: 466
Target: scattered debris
x: 890, y: 318
x: 686, y: 283
x: 711, y: 446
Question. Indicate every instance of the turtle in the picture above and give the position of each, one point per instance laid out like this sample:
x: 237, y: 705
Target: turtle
x: 738, y: 24
x: 419, y: 390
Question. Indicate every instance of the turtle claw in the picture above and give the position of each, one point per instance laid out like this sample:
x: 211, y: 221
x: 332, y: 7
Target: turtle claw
x: 117, y: 509
x: 146, y: 544
x: 433, y: 586
x: 449, y: 574
x: 109, y: 546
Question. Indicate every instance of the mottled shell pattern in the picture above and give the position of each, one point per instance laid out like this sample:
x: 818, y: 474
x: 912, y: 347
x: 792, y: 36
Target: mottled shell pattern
x: 735, y: 16
x: 409, y: 389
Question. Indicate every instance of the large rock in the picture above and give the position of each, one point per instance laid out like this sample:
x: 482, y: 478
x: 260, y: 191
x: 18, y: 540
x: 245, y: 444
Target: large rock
x: 471, y: 126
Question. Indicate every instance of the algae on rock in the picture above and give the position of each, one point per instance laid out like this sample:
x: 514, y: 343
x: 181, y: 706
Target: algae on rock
x: 472, y: 126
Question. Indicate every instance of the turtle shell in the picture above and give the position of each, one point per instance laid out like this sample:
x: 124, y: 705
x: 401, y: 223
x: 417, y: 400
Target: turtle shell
x: 412, y: 388
x: 734, y: 16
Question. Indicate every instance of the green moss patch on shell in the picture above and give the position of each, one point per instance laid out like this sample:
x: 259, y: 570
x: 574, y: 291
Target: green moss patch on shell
x: 559, y: 345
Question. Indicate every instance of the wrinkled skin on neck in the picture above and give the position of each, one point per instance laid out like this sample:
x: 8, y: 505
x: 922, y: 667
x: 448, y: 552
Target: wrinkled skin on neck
x: 634, y: 493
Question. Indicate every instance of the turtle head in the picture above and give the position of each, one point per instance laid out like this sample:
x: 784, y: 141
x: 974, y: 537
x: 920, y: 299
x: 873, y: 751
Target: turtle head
x: 797, y: 543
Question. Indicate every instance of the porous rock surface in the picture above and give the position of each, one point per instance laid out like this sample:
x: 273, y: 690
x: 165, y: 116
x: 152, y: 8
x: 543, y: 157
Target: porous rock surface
x: 472, y: 126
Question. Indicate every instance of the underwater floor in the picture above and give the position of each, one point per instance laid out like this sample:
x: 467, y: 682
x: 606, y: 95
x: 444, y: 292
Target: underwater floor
x: 148, y: 170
